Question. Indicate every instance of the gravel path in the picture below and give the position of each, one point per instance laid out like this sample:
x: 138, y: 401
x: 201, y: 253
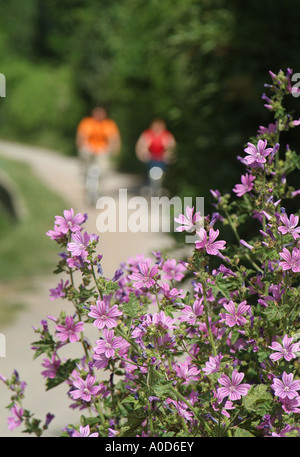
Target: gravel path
x: 60, y: 174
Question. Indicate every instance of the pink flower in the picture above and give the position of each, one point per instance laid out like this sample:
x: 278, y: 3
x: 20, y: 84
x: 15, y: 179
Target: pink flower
x: 169, y: 293
x: 139, y: 331
x: 213, y: 365
x: 16, y: 419
x: 216, y: 194
x: 295, y: 193
x: 289, y: 225
x: 58, y: 292
x: 173, y: 271
x: 55, y: 234
x: 291, y: 261
x: 187, y: 372
x: 181, y: 408
x: 224, y: 270
x: 286, y: 350
x: 112, y: 432
x: 78, y: 247
x: 247, y: 245
x: 108, y: 344
x: 287, y: 387
x: 85, y: 389
x: 211, y: 246
x: 246, y: 186
x: 190, y: 314
x: 272, y: 128
x: 144, y: 276
x: 100, y: 361
x: 51, y: 366
x: 232, y: 388
x: 84, y: 432
x: 257, y: 154
x: 69, y: 330
x: 189, y: 221
x: 69, y: 222
x: 227, y: 407
x: 76, y: 262
x: 104, y: 315
x: 134, y: 262
x: 235, y: 316
x: 291, y: 405
x: 166, y: 341
x: 163, y: 321
x: 282, y: 433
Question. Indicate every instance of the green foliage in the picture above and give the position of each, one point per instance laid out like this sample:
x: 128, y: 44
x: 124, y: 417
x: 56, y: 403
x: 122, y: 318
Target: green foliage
x: 132, y: 308
x: 41, y: 105
x: 44, y: 346
x: 259, y: 400
x: 20, y: 27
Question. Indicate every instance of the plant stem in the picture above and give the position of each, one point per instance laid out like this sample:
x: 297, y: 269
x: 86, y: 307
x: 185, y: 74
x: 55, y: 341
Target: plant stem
x: 264, y: 198
x: 184, y: 400
x: 96, y: 282
x: 207, y: 315
x: 99, y: 411
x: 233, y: 227
x: 135, y: 346
x: 79, y: 316
x: 157, y: 300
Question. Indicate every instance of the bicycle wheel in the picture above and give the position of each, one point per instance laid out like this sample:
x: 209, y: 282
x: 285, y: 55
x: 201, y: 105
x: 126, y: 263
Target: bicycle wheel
x: 155, y: 176
x: 92, y: 183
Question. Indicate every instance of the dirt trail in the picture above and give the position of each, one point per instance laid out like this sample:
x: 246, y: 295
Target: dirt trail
x: 61, y: 175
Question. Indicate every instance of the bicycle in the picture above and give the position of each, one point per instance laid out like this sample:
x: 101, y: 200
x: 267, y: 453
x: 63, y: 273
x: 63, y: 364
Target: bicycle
x: 92, y: 180
x: 156, y: 174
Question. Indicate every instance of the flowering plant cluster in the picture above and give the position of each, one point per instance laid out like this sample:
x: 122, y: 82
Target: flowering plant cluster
x: 205, y: 346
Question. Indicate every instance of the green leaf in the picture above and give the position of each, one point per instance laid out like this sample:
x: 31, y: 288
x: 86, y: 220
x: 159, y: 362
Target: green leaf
x: 274, y: 313
x: 241, y: 432
x: 89, y: 420
x: 131, y: 403
x: 162, y: 389
x: 221, y: 286
x: 258, y: 400
x: 169, y: 310
x: 132, y: 307
x: 46, y: 345
x: 262, y: 355
x: 62, y: 373
x: 107, y: 286
x: 135, y: 421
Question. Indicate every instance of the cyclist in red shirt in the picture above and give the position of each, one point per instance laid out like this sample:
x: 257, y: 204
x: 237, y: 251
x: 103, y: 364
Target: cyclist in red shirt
x: 156, y: 148
x: 156, y: 144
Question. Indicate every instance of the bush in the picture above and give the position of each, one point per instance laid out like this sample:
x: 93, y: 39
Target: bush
x: 188, y: 349
x: 41, y: 105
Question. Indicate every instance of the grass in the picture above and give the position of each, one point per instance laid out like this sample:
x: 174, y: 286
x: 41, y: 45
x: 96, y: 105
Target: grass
x: 25, y: 250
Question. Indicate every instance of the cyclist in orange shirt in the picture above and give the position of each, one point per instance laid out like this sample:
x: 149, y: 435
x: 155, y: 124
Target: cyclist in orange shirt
x: 97, y: 138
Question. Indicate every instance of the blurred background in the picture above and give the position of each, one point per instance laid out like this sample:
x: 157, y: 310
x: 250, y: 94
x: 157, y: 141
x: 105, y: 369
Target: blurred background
x: 200, y: 64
